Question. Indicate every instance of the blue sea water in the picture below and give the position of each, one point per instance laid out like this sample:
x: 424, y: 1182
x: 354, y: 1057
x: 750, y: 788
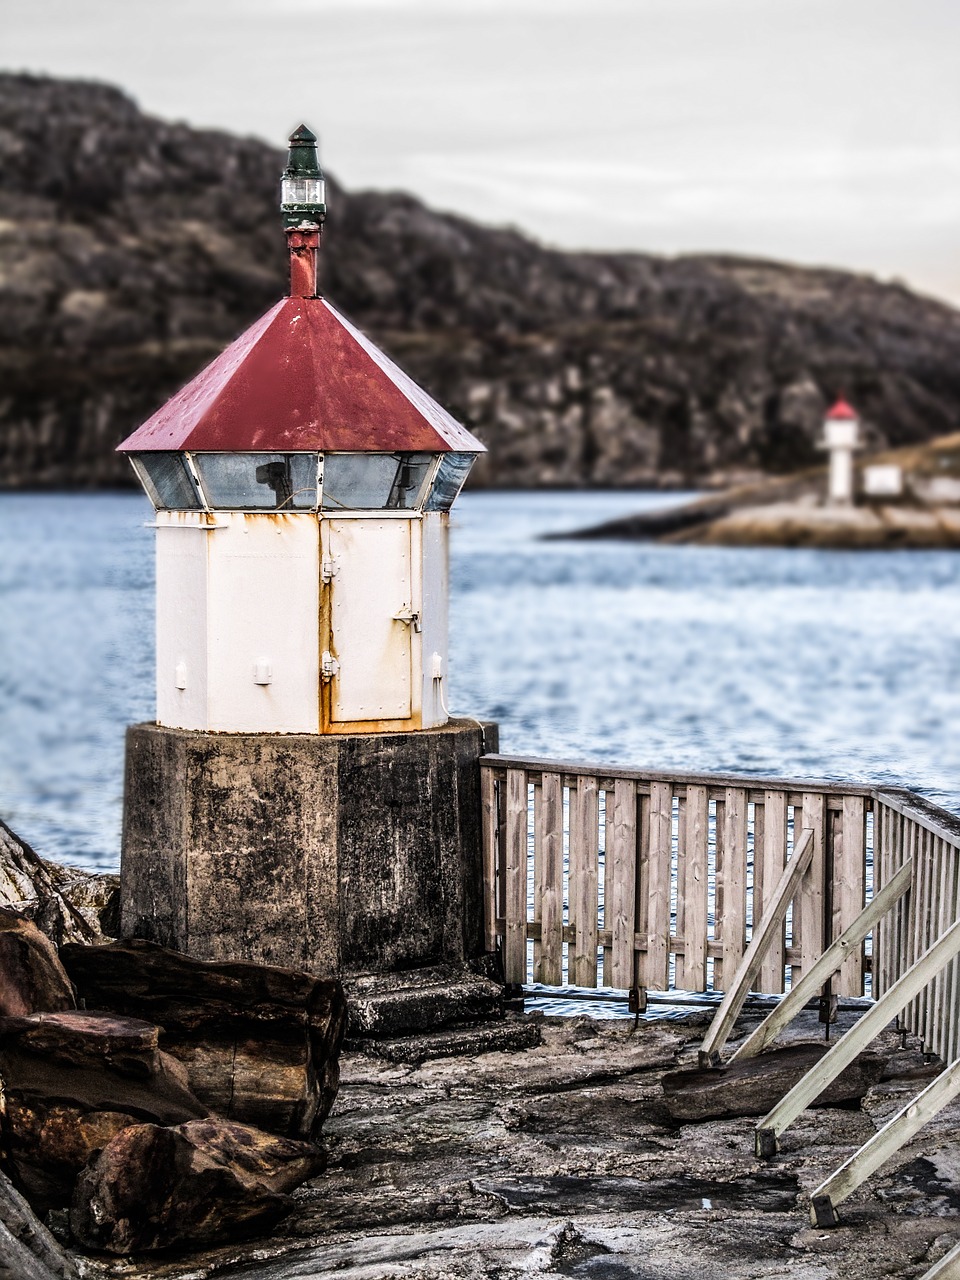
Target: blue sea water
x: 801, y: 663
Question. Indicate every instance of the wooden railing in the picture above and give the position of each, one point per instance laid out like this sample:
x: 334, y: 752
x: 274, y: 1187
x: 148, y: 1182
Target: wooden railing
x: 635, y: 880
x: 907, y: 827
x: 599, y: 875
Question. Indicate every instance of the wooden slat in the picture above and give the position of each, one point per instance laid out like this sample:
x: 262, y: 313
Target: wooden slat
x: 584, y: 852
x: 812, y: 895
x: 621, y: 885
x: 491, y: 826
x: 773, y: 858
x: 679, y: 923
x: 733, y: 875
x: 549, y: 843
x: 660, y: 873
x: 606, y: 865
x: 692, y: 969
x: 515, y: 877
x: 849, y: 869
x: 642, y: 910
x: 882, y: 872
x: 719, y: 826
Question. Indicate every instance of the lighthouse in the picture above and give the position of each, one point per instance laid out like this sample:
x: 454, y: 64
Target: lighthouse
x: 841, y: 437
x: 303, y: 797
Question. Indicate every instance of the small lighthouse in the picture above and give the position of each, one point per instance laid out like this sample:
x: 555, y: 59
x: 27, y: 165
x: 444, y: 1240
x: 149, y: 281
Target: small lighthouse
x: 841, y: 437
x: 302, y: 797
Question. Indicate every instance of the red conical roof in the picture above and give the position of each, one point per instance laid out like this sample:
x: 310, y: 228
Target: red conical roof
x: 302, y: 378
x: 842, y: 412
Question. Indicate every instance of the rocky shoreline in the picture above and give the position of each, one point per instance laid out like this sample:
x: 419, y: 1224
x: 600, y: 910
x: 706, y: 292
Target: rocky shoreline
x: 528, y: 1145
x: 792, y: 511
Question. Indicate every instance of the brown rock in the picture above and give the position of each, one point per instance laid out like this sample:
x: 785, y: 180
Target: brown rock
x: 261, y: 1043
x: 72, y: 1081
x: 195, y: 1184
x: 752, y: 1087
x: 27, y: 1249
x: 32, y: 978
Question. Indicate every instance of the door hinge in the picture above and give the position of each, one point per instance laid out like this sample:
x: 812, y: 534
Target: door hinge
x: 329, y: 666
x: 328, y: 569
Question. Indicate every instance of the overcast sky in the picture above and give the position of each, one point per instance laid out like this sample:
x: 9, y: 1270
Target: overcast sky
x: 818, y: 131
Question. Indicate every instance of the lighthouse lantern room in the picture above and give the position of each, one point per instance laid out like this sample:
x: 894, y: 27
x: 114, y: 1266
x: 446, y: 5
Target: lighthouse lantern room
x: 302, y: 485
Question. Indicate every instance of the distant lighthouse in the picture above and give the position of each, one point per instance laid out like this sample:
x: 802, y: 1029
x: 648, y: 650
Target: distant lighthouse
x: 841, y: 437
x: 302, y: 798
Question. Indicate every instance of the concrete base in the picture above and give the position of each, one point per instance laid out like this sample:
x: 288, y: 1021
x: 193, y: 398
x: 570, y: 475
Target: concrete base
x: 340, y: 855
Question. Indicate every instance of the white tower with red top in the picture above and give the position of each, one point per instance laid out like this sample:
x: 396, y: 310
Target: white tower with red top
x: 841, y: 437
x: 302, y: 797
x: 302, y: 484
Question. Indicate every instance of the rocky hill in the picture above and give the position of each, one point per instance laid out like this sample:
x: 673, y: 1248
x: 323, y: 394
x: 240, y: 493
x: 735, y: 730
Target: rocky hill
x: 132, y: 250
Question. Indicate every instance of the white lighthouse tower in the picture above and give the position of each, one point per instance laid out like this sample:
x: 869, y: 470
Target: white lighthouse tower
x: 302, y: 797
x: 303, y: 485
x: 841, y: 437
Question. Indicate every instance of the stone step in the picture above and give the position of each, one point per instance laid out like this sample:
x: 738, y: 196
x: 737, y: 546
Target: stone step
x: 510, y: 1036
x: 420, y: 1000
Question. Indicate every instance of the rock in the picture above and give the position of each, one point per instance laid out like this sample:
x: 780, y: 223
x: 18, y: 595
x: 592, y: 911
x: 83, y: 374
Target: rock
x: 260, y: 1042
x: 72, y: 1081
x: 45, y: 892
x: 422, y: 1000
x: 752, y: 1087
x: 194, y: 1184
x: 576, y: 369
x: 27, y: 1249
x: 32, y: 979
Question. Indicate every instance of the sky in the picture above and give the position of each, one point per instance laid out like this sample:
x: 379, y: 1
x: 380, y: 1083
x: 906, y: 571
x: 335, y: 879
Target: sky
x: 824, y: 132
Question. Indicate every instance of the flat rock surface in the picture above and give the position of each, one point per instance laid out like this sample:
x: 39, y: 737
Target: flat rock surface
x: 561, y: 1160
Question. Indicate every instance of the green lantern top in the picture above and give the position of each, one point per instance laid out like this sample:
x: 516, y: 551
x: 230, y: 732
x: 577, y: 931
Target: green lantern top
x: 302, y: 184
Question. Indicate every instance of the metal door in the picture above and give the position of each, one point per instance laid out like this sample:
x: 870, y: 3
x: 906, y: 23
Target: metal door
x: 372, y: 618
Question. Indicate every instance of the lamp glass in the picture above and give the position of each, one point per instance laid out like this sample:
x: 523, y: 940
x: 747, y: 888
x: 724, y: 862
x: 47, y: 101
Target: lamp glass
x: 258, y: 481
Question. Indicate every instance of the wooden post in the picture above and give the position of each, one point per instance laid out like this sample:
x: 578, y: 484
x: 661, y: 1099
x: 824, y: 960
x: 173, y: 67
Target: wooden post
x: 515, y: 875
x: 857, y: 1038
x: 491, y: 827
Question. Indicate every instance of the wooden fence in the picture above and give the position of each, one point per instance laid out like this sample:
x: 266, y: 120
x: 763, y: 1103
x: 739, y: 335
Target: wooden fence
x: 909, y: 828
x: 625, y: 878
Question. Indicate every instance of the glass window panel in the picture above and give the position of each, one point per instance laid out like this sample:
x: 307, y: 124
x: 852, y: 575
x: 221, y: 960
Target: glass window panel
x: 453, y: 470
x: 167, y: 481
x: 407, y: 490
x: 259, y: 481
x: 359, y: 481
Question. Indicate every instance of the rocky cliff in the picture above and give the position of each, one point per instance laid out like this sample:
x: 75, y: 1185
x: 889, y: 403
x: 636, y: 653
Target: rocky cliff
x: 133, y: 250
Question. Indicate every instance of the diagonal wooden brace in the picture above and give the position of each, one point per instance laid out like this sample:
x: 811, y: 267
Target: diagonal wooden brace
x: 773, y: 917
x: 828, y: 964
x: 935, y: 958
x: 884, y: 1143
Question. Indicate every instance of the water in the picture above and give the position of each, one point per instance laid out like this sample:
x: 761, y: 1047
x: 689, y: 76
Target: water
x: 802, y: 663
